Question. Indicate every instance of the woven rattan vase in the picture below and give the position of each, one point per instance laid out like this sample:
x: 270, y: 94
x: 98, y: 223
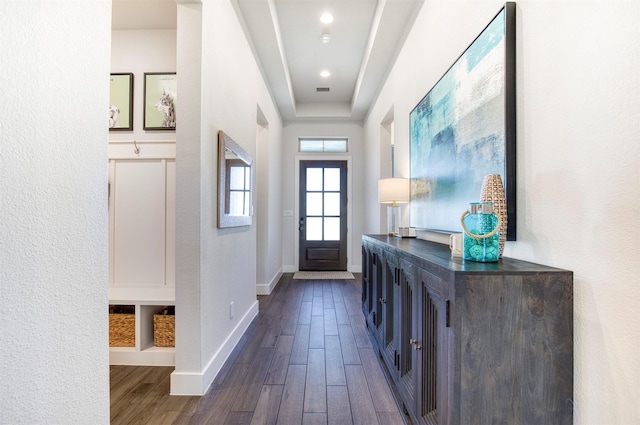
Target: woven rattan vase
x: 493, y: 191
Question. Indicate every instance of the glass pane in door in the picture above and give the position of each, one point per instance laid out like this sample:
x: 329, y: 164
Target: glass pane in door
x: 332, y: 204
x: 332, y: 228
x: 314, y: 179
x: 332, y: 179
x: 314, y: 229
x: 314, y: 204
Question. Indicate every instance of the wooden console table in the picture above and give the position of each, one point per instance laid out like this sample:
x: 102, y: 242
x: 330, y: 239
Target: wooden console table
x: 470, y: 343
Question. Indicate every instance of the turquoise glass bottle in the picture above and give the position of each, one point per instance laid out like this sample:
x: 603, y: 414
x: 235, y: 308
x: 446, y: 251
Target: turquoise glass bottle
x: 481, y: 240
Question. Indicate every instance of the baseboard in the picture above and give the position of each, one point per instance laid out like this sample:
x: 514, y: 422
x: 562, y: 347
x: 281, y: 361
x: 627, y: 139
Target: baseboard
x: 267, y: 288
x: 355, y: 268
x: 193, y: 383
x: 289, y: 269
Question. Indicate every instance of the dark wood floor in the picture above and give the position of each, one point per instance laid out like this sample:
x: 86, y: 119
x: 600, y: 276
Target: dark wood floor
x: 306, y: 359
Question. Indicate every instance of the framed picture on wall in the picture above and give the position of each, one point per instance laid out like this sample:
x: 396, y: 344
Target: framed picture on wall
x: 464, y: 129
x: 160, y: 101
x: 121, y: 102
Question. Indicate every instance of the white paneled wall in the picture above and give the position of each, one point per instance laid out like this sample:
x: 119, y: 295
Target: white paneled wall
x: 142, y: 241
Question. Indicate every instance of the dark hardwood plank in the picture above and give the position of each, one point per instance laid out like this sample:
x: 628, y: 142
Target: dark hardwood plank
x: 327, y: 298
x: 254, y: 379
x: 266, y: 412
x: 279, y: 365
x: 308, y: 290
x: 293, y: 396
x: 249, y: 351
x: 390, y: 418
x: 163, y: 417
x: 362, y: 407
x: 330, y: 321
x: 318, y: 304
x: 223, y: 398
x: 360, y: 332
x: 314, y: 418
x: 304, y: 317
x: 226, y: 367
x: 315, y: 394
x: 342, y: 317
x: 316, y: 336
x: 300, y: 348
x: 290, y: 322
x: 334, y: 363
x: 338, y: 406
x: 239, y: 418
x: 350, y: 353
x: 381, y: 394
x: 273, y: 330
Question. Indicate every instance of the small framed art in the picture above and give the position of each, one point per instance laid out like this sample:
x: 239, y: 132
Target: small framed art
x: 121, y: 102
x: 160, y: 101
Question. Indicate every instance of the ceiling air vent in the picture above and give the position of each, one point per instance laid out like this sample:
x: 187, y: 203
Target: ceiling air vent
x: 321, y: 89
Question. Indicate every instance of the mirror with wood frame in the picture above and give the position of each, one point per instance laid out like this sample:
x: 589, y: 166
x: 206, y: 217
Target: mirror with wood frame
x: 234, y: 183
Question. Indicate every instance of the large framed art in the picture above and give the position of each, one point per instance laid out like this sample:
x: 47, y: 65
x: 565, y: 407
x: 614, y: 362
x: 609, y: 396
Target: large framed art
x: 464, y: 129
x: 160, y: 90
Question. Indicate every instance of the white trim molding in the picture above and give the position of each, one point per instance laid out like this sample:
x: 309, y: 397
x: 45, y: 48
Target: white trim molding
x: 194, y: 383
x: 267, y: 288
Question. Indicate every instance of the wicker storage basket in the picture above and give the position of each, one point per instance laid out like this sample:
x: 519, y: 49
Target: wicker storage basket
x: 164, y: 328
x: 122, y: 328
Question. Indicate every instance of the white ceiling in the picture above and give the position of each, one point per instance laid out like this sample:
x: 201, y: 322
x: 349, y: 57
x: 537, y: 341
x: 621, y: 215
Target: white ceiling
x: 366, y: 36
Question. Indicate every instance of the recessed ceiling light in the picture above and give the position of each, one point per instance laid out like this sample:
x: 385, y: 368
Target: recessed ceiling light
x: 325, y: 74
x: 326, y: 18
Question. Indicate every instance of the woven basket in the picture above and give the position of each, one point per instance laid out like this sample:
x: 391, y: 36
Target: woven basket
x: 164, y: 330
x: 122, y: 330
x: 493, y: 191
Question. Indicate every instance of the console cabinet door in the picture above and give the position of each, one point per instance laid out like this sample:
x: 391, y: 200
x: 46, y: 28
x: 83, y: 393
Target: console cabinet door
x: 377, y: 288
x: 431, y: 351
x: 366, y: 279
x: 408, y: 332
x: 389, y: 308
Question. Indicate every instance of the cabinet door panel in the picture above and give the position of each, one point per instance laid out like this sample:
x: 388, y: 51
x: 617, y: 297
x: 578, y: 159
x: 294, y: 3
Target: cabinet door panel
x: 408, y: 322
x: 139, y: 222
x: 432, y: 398
x: 390, y: 265
x: 377, y: 288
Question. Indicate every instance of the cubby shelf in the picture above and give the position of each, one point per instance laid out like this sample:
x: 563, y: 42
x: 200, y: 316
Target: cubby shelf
x: 144, y: 352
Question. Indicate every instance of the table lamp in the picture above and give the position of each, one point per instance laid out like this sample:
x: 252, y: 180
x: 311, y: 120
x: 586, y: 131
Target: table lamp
x: 393, y: 191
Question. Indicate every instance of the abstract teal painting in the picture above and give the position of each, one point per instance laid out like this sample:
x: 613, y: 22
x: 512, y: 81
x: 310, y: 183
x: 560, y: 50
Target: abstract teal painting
x: 464, y: 129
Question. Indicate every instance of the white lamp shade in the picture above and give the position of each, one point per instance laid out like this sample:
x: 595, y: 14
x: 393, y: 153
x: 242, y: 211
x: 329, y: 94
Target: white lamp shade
x: 393, y: 191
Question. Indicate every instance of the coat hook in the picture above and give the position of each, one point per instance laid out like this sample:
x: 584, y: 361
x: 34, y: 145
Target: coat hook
x: 136, y: 150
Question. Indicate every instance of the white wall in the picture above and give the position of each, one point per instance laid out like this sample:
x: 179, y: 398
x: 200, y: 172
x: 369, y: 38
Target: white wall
x: 268, y: 212
x: 215, y: 267
x: 53, y: 212
x: 140, y: 51
x: 578, y: 85
x: 289, y: 178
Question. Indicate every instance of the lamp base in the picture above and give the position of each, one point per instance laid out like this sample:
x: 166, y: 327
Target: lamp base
x: 393, y: 220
